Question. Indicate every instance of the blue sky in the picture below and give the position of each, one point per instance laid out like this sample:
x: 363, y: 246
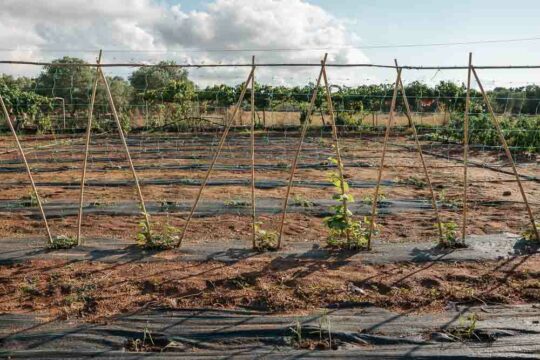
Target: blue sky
x: 395, y: 22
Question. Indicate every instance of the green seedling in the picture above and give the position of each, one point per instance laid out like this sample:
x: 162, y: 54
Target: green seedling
x: 63, y: 242
x: 414, y: 181
x: 449, y: 239
x: 165, y: 240
x: 299, y: 200
x: 530, y: 234
x: 344, y: 232
x: 368, y: 199
x: 264, y: 239
x: 236, y: 203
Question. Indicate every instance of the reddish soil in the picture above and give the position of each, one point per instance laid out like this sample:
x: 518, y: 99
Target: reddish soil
x: 401, y: 164
x: 95, y: 291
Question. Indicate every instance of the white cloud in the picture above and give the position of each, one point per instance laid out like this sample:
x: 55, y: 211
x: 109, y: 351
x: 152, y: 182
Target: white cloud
x: 150, y: 31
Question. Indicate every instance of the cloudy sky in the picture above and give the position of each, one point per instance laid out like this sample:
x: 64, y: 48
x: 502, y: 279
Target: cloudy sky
x: 231, y: 31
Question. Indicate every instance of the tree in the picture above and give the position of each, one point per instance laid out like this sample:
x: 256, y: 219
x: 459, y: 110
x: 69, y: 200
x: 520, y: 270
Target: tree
x: 72, y: 83
x: 156, y: 77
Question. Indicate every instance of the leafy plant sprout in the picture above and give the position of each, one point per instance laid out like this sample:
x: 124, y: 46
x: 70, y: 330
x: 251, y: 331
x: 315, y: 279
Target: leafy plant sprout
x: 368, y: 199
x: 157, y: 241
x: 450, y: 238
x: 530, y: 234
x: 62, y: 242
x: 345, y: 233
x: 265, y: 240
x: 299, y: 200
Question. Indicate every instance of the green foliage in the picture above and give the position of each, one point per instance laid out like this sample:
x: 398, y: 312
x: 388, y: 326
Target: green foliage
x: 71, y: 83
x: 30, y: 199
x: 23, y: 105
x: 414, y: 181
x: 236, y: 203
x: 368, y: 199
x: 147, y: 79
x: 519, y: 131
x: 298, y: 200
x: 467, y: 328
x: 265, y: 239
x: 63, y: 242
x: 445, y: 200
x: 449, y: 231
x: 44, y: 125
x: 165, y: 240
x: 530, y: 234
x: 344, y: 232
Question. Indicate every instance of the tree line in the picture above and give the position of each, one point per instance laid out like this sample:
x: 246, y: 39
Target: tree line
x: 163, y: 95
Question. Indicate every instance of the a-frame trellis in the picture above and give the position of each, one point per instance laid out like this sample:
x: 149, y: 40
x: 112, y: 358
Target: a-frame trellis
x: 472, y: 70
x: 101, y: 75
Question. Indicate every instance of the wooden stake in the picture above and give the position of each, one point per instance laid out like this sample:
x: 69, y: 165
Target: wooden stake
x: 298, y: 149
x: 128, y: 155
x: 466, y: 151
x: 420, y: 153
x: 28, y: 172
x: 507, y: 150
x: 381, y: 166
x: 228, y: 124
x: 253, y: 205
x: 338, y: 151
x: 85, y: 162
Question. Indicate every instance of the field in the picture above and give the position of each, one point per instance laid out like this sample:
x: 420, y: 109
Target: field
x: 406, y: 296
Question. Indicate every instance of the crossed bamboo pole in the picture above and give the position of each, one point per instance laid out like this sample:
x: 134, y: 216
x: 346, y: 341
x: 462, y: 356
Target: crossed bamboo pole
x: 253, y: 204
x: 101, y: 74
x: 338, y: 150
x: 216, y: 155
x: 87, y: 146
x: 466, y: 151
x: 28, y: 172
x: 126, y: 148
x: 298, y: 149
x: 421, y: 155
x: 507, y: 150
x: 383, y: 156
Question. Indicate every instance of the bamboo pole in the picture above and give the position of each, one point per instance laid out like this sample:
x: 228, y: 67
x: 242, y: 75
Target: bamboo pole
x: 508, y: 153
x: 253, y: 205
x: 87, y: 146
x: 381, y: 166
x: 28, y: 172
x: 128, y: 155
x: 338, y: 150
x: 466, y: 151
x: 422, y: 160
x: 298, y: 149
x: 228, y: 124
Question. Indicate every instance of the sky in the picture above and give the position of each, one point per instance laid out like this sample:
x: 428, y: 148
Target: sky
x: 190, y: 31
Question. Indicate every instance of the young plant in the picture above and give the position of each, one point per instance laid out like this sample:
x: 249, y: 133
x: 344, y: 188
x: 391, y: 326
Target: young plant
x: 446, y: 201
x: 449, y: 232
x: 344, y: 232
x: 299, y: 200
x: 236, y: 203
x: 30, y: 200
x: 467, y: 329
x: 368, y: 199
x: 414, y: 181
x: 63, y: 242
x: 530, y: 234
x: 264, y: 239
x: 157, y: 241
